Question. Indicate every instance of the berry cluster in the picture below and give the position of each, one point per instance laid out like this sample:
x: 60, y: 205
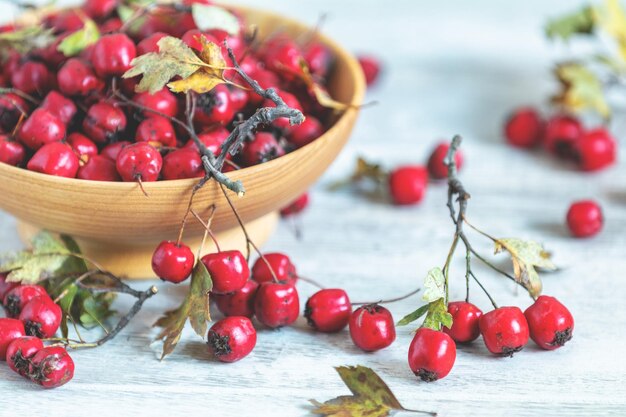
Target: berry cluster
x: 75, y: 117
x: 562, y: 135
x: 32, y: 316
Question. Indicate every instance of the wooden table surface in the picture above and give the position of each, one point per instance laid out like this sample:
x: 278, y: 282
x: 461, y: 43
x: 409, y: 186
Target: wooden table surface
x: 450, y: 68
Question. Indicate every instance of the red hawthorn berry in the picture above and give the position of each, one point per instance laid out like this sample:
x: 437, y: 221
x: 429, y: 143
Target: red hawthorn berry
x: 41, y: 317
x: 263, y: 148
x: 173, y: 261
x: 11, y: 107
x: 213, y: 138
x: 436, y: 167
x: 306, y: 132
x: 550, y: 323
x: 296, y: 206
x: 561, y: 134
x: 214, y: 107
x: 20, y: 351
x: 318, y: 58
x: 103, y: 122
x: 328, y: 310
x: 505, y: 330
x: 595, y: 150
x: 112, y: 151
x: 431, y: 354
x: 228, y: 269
x: 10, y: 329
x: 524, y: 128
x: 277, y: 304
x: 112, y: 55
x: 51, y: 367
x: 182, y: 164
x: 82, y: 145
x: 232, y: 338
x: 99, y: 9
x: 238, y: 303
x: 408, y: 184
x: 40, y: 128
x: 465, y: 317
x: 372, y: 327
x: 239, y: 97
x: 60, y: 106
x: 371, y: 68
x: 193, y: 39
x: 15, y: 299
x: 5, y: 286
x: 56, y: 158
x: 77, y: 78
x: 158, y: 131
x: 139, y: 161
x: 69, y: 20
x: 98, y: 168
x: 32, y: 77
x: 150, y: 44
x: 280, y: 263
x: 11, y: 151
x: 584, y: 218
x: 284, y: 57
x: 163, y: 102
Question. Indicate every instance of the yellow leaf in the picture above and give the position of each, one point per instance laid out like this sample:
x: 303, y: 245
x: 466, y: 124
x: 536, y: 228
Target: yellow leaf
x: 321, y: 95
x: 200, y: 82
x: 580, y: 89
x: 526, y: 255
x: 612, y: 19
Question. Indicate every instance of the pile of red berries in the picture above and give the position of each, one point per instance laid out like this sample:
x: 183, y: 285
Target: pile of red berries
x: 61, y: 118
x: 32, y: 316
x: 563, y: 136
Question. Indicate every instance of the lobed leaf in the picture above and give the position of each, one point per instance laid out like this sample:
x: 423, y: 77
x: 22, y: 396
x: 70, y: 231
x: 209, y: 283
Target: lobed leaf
x: 437, y: 315
x: 611, y: 17
x: 581, y: 89
x: 26, y: 39
x: 578, y: 22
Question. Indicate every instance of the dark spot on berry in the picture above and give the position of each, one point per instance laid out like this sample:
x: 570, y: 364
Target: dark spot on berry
x: 562, y: 337
x: 219, y: 344
x: 425, y: 375
x: 509, y: 351
x: 12, y: 306
x: 33, y: 329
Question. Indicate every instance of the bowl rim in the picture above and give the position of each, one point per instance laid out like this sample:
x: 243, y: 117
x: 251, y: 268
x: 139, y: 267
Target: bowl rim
x: 341, y: 54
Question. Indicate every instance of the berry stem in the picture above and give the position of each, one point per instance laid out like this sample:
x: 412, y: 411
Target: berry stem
x: 20, y: 93
x: 207, y: 226
x: 493, y: 303
x: 312, y: 282
x: 391, y: 300
x: 468, y: 269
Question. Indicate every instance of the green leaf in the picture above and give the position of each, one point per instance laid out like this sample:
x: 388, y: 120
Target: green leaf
x: 437, y: 315
x: 174, y: 58
x: 411, y: 317
x: 195, y: 307
x: 81, y: 39
x: 580, y: 89
x: 371, y: 397
x: 434, y: 285
x: 578, y: 22
x: 26, y: 40
x: 526, y: 255
x: 214, y: 17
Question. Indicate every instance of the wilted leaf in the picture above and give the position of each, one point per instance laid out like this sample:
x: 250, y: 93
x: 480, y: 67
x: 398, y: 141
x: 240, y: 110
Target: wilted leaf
x: 526, y: 255
x: 174, y: 58
x: 207, y: 17
x: 578, y: 22
x: 25, y: 40
x: 195, y: 307
x: 434, y: 285
x: 581, y: 89
x: 81, y: 39
x: 207, y: 77
x: 611, y: 17
x: 320, y: 93
x: 364, y: 170
x: 371, y: 397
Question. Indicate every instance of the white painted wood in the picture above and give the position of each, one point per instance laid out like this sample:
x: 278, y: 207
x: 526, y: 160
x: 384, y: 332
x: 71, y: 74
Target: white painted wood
x: 452, y: 67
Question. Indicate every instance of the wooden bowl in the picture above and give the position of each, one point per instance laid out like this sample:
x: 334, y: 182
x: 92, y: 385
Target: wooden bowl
x: 119, y: 226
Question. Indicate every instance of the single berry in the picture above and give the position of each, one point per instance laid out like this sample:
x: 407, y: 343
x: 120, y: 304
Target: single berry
x: 465, y: 317
x: 584, y: 218
x: 98, y: 168
x: 436, y: 167
x: 212, y: 138
x: 407, y: 184
x: 239, y: 97
x: 10, y: 329
x: 280, y: 263
x: 371, y: 68
x: 41, y: 317
x: 306, y: 132
x: 82, y: 145
x: 595, y: 150
x: 158, y: 131
x: 504, y: 330
x: 296, y: 207
x: 112, y: 55
x: 18, y: 297
x: 163, y: 101
x: 60, y: 106
x: 150, y: 44
x: 56, y: 158
x: 550, y: 322
x: 51, y: 367
x: 372, y: 327
x: 214, y: 107
x: 319, y: 58
x: 431, y: 354
x: 228, y: 269
x: 77, y: 78
x: 238, y: 303
x: 139, y: 161
x: 524, y: 128
x: 182, y: 163
x: 561, y: 134
x: 328, y: 310
x: 69, y: 20
x: 283, y: 56
x: 5, y: 286
x: 232, y: 338
x: 20, y: 351
x: 32, y: 77
x: 277, y: 304
x: 112, y: 151
x: 99, y: 9
x: 40, y: 128
x: 104, y: 122
x: 172, y: 261
x: 11, y: 151
x: 263, y: 148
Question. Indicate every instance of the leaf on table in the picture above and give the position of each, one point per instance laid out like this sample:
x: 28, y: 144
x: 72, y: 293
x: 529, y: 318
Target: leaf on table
x: 526, y: 255
x: 174, y: 58
x: 206, y: 77
x: 208, y: 17
x: 371, y: 397
x: 580, y: 89
x: 611, y: 17
x: 566, y: 26
x: 195, y: 307
x: 26, y: 40
x: 81, y: 39
x: 364, y: 170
